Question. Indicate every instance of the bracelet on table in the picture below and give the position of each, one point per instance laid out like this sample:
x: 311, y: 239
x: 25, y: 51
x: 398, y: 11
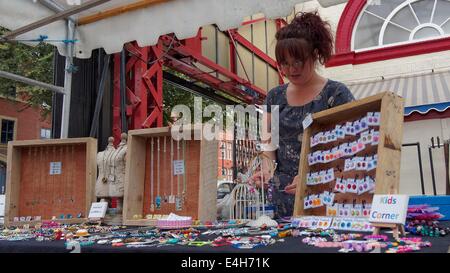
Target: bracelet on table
x: 383, y: 238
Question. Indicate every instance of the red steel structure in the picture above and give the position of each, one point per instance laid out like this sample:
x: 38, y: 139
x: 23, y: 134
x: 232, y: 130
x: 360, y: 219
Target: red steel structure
x: 144, y: 73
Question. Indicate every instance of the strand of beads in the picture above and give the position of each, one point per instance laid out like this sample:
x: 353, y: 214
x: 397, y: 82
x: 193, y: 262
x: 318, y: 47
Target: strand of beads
x: 345, y: 237
x: 383, y: 238
x: 312, y: 241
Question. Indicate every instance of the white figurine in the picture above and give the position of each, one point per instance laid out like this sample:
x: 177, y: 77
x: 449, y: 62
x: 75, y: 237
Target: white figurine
x: 116, y: 187
x: 102, y: 185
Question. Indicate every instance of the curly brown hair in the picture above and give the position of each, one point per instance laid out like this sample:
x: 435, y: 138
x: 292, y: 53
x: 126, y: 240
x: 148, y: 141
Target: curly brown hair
x: 307, y: 36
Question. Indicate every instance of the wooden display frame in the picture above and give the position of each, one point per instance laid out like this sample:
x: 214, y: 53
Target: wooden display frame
x: 387, y: 173
x: 201, y: 173
x: 81, y: 166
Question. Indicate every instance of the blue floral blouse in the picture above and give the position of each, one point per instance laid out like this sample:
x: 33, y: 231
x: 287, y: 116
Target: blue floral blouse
x: 291, y: 133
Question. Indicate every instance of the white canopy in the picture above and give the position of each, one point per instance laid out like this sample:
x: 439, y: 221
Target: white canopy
x: 145, y: 23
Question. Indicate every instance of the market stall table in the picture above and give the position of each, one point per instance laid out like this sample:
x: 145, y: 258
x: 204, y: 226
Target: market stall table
x: 290, y: 245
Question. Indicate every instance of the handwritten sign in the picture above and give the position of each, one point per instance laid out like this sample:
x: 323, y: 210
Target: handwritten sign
x: 98, y: 210
x: 390, y: 209
x: 178, y: 167
x: 55, y: 168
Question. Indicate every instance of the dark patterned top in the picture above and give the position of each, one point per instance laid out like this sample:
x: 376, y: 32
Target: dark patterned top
x: 291, y: 133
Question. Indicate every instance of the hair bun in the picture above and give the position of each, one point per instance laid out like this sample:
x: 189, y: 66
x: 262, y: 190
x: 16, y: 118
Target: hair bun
x: 310, y: 27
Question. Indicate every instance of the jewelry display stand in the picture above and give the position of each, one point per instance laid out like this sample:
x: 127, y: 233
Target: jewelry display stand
x: 166, y: 176
x: 396, y: 229
x: 386, y: 173
x: 111, y: 179
x: 50, y: 180
x: 248, y: 202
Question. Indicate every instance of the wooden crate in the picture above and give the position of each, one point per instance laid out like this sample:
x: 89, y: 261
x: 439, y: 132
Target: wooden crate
x: 32, y: 191
x: 200, y: 173
x: 387, y: 173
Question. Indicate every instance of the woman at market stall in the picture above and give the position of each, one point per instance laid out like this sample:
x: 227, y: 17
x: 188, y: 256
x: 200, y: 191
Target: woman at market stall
x: 301, y: 47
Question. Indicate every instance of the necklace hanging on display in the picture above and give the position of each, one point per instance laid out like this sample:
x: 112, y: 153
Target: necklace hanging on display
x: 30, y: 202
x: 183, y: 194
x: 72, y: 170
x: 61, y: 178
x: 35, y: 184
x: 66, y: 198
x: 158, y: 196
x: 178, y: 200
x: 41, y: 185
x: 158, y: 202
x: 172, y: 196
x: 152, y: 205
x: 53, y: 155
x: 178, y: 205
x: 165, y: 198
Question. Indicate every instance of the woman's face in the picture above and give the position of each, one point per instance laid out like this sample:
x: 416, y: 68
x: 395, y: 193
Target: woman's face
x: 298, y: 72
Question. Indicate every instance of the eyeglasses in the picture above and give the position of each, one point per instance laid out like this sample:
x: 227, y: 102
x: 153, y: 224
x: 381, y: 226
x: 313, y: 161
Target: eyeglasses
x: 297, y: 65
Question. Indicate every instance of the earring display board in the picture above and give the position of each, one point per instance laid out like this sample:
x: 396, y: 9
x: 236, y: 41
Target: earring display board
x: 165, y: 176
x: 48, y: 179
x: 349, y: 153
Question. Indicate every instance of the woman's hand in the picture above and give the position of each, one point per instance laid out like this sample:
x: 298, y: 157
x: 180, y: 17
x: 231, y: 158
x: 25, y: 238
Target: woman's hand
x: 256, y: 178
x: 292, y: 188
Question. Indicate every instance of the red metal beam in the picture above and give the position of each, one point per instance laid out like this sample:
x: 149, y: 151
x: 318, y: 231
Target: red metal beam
x: 139, y: 90
x: 207, y: 78
x: 154, y: 83
x: 254, y: 21
x: 233, y: 66
x: 116, y: 131
x: 180, y: 49
x: 258, y: 52
x: 144, y: 88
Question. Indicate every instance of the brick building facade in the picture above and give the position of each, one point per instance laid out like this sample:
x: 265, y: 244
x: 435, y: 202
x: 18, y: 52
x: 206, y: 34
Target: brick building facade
x: 18, y: 121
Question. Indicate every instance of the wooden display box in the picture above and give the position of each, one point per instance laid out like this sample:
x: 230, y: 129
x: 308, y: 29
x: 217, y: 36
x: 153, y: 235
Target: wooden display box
x: 387, y: 173
x: 200, y: 176
x: 31, y: 189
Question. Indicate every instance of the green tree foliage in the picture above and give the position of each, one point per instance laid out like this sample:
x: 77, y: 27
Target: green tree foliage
x: 34, y: 62
x: 173, y: 96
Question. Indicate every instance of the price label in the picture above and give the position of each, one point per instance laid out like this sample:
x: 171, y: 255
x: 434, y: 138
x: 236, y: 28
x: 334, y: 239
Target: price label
x: 307, y: 121
x: 178, y: 167
x: 55, y: 168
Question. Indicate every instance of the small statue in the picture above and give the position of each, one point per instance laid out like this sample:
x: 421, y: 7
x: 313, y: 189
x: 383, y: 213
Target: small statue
x: 117, y: 186
x: 101, y: 186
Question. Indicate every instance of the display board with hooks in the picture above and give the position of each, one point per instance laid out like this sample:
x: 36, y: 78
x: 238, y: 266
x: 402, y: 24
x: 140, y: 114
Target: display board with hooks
x: 349, y: 153
x: 50, y: 180
x: 165, y: 176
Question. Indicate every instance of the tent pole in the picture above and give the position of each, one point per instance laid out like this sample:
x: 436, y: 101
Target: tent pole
x: 68, y: 80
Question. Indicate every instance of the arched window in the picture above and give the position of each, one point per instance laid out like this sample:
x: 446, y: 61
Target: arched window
x: 376, y: 30
x: 394, y: 22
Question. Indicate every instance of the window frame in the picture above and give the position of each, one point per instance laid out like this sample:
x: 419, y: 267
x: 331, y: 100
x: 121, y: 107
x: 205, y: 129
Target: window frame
x: 384, y: 26
x: 15, y: 120
x: 344, y: 54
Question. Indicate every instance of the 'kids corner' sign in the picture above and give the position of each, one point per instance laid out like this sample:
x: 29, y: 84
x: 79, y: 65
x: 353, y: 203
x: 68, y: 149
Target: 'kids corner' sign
x: 389, y: 209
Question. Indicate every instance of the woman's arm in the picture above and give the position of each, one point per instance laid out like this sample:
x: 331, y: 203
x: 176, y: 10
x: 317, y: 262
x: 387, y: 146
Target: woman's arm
x: 268, y: 151
x: 267, y: 147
